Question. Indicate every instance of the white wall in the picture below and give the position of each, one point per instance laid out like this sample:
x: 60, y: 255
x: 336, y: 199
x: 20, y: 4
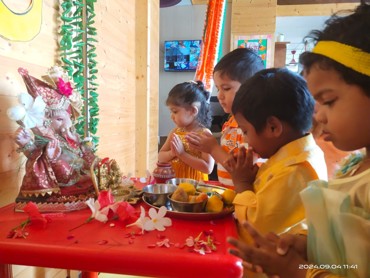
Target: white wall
x: 177, y: 23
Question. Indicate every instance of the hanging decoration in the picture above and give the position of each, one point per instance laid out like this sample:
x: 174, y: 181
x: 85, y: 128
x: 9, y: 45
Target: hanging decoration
x: 20, y: 26
x: 77, y: 46
x: 212, y: 42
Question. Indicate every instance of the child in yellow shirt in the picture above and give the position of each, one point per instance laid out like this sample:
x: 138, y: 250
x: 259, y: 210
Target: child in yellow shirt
x: 338, y: 212
x: 275, y: 125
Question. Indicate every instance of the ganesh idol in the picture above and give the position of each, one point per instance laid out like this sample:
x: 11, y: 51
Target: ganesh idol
x: 57, y: 171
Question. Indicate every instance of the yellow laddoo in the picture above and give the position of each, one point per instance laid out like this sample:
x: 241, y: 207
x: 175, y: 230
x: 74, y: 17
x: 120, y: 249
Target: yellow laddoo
x: 214, y: 204
x: 228, y: 196
x: 188, y: 187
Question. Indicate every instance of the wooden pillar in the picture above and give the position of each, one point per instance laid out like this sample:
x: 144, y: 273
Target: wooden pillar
x: 147, y: 77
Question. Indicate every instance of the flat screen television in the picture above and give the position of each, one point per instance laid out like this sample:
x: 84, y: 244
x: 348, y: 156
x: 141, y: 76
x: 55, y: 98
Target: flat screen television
x: 181, y: 55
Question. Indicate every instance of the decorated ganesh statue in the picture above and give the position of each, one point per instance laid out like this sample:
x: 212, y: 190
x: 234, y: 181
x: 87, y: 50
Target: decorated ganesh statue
x: 57, y: 171
x: 61, y: 172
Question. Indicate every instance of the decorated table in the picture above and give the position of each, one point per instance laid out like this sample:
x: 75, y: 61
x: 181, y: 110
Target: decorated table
x: 69, y: 243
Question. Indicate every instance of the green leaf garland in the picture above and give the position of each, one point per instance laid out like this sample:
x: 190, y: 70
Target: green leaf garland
x: 77, y: 51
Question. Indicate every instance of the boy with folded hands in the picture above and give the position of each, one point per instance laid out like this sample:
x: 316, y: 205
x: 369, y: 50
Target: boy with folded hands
x: 274, y: 110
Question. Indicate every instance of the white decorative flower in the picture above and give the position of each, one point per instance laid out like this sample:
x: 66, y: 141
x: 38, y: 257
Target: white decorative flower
x: 97, y: 213
x: 141, y: 220
x: 157, y: 220
x: 30, y: 112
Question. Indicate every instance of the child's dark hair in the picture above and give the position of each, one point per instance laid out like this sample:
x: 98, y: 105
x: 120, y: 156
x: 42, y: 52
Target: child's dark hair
x: 239, y: 64
x: 351, y: 30
x: 275, y: 92
x: 189, y: 93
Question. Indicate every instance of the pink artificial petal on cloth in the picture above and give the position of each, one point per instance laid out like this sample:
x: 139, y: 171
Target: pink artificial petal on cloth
x: 105, y: 198
x: 126, y: 212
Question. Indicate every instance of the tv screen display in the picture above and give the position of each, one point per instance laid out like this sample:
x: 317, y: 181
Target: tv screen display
x: 181, y: 55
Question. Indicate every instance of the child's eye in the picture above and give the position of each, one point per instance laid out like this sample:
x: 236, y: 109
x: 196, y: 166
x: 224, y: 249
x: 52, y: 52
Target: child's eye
x: 329, y: 102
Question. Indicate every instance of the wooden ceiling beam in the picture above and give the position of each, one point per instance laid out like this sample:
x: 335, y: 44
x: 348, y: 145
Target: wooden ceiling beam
x: 313, y: 9
x: 304, y: 2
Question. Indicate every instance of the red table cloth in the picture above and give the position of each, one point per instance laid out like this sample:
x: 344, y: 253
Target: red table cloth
x: 103, y: 247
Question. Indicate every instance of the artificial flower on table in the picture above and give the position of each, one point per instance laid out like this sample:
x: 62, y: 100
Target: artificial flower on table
x: 155, y: 221
x: 105, y: 208
x: 35, y: 218
x: 204, y: 243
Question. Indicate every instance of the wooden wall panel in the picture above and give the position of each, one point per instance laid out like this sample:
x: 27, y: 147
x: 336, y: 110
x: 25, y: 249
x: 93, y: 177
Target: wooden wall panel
x: 300, y: 2
x: 153, y: 91
x: 312, y: 10
x: 253, y: 17
x: 147, y: 71
x: 35, y: 55
x: 116, y: 78
x: 128, y: 83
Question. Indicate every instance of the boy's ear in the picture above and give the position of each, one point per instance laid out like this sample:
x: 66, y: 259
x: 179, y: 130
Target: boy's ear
x: 274, y: 127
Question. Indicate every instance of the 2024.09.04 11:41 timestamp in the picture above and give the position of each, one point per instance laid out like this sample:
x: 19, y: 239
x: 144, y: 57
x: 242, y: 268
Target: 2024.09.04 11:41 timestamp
x: 327, y: 266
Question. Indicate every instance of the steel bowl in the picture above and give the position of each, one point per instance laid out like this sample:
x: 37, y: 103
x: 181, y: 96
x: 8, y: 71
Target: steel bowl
x: 156, y: 194
x: 177, y: 181
x: 187, y: 206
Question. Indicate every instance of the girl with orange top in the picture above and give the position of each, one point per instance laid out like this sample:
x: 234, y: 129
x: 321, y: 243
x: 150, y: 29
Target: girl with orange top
x: 188, y: 103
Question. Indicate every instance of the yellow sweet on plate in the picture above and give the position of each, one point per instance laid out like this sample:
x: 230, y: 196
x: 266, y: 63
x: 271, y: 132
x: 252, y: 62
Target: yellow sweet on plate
x: 214, y: 204
x: 228, y: 196
x: 188, y: 187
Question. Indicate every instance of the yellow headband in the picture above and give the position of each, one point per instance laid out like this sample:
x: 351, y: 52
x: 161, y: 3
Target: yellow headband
x: 346, y: 55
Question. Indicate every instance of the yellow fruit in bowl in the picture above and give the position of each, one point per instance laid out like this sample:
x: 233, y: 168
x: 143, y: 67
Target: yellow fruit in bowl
x: 188, y: 187
x: 214, y: 204
x: 180, y: 195
x: 198, y: 198
x: 201, y: 197
x: 228, y: 196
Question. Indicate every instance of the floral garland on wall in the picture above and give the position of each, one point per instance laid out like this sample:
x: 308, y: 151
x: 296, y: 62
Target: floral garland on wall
x: 211, y: 42
x: 77, y: 51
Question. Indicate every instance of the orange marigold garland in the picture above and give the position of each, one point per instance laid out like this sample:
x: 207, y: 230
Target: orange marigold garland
x: 212, y: 38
